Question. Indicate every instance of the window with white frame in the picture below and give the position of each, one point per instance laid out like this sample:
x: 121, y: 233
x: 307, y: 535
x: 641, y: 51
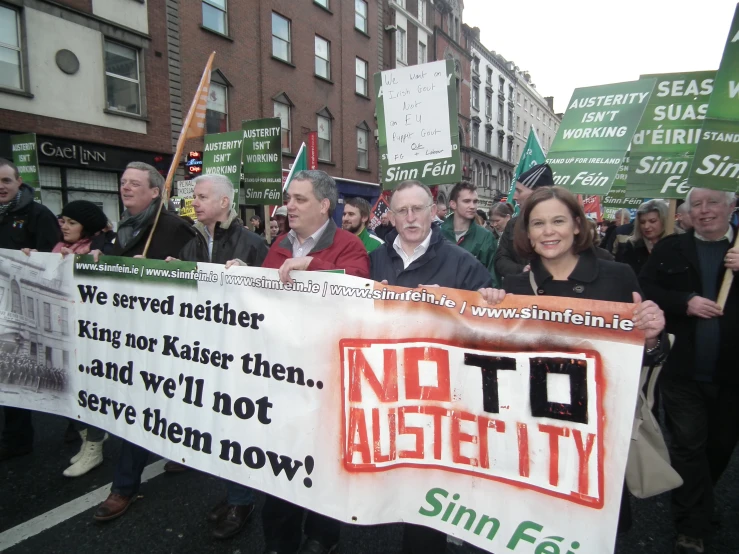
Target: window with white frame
x: 11, y: 60
x: 476, y: 97
x: 216, y: 110
x: 489, y: 78
x: 282, y: 111
x: 47, y: 316
x: 422, y: 53
x: 214, y: 15
x: 361, y: 77
x: 400, y: 3
x: 475, y: 135
x: 324, y: 138
x: 122, y: 79
x: 362, y: 148
x: 360, y: 15
x: 281, y: 37
x: 489, y: 106
x: 422, y: 11
x: 488, y: 140
x: 322, y: 3
x: 401, y: 48
x: 30, y: 308
x: 500, y: 146
x: 323, y: 58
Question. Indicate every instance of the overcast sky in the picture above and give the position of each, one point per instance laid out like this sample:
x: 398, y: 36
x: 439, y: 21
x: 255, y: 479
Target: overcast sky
x: 567, y: 44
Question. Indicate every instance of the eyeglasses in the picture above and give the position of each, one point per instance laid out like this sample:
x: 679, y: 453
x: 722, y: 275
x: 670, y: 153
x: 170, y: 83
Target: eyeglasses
x: 415, y: 210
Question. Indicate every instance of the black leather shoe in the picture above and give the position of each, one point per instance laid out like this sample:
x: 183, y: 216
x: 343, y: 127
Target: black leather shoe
x: 313, y: 546
x: 234, y: 521
x: 217, y: 512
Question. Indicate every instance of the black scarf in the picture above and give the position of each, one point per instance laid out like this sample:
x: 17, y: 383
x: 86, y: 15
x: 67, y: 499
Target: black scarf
x: 131, y: 225
x: 7, y: 208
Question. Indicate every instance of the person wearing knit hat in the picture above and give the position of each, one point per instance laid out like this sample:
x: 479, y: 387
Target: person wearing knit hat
x: 81, y: 221
x: 532, y: 179
x: 507, y: 260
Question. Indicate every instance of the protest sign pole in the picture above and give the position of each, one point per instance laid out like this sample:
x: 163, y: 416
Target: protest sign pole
x: 723, y: 292
x: 196, y: 112
x: 672, y: 209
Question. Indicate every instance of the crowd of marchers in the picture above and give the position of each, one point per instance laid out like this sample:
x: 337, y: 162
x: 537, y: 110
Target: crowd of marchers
x: 549, y: 248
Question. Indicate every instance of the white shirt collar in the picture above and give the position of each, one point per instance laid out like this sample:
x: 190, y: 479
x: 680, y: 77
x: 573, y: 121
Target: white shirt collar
x: 309, y: 243
x: 728, y: 235
x: 418, y: 251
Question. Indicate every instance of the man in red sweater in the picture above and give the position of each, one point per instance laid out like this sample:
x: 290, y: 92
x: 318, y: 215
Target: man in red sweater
x: 314, y: 243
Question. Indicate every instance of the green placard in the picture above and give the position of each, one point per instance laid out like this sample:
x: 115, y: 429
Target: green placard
x: 262, y: 155
x: 222, y: 155
x: 716, y: 161
x: 664, y: 143
x: 25, y: 157
x: 616, y: 197
x: 418, y: 130
x: 595, y: 133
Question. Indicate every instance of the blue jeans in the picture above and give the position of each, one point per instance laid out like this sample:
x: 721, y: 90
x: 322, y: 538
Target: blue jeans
x: 131, y: 463
x: 239, y: 495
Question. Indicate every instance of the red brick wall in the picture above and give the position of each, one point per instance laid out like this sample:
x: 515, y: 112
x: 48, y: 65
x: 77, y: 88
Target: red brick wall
x: 82, y: 5
x: 247, y: 62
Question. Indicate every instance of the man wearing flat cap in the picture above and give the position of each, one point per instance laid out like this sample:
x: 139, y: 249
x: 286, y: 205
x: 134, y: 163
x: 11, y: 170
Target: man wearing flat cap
x: 507, y: 261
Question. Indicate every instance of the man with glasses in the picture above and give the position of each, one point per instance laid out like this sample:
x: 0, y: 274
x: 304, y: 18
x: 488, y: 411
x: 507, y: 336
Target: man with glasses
x: 699, y: 383
x: 416, y: 255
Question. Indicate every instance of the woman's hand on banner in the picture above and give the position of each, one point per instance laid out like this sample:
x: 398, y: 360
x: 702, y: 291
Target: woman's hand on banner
x: 649, y: 318
x: 492, y: 296
x: 95, y: 255
x: 296, y: 264
x: 27, y: 251
x: 171, y: 259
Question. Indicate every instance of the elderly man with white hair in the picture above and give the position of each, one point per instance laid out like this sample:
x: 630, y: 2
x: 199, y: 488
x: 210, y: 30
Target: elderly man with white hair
x: 700, y: 384
x: 221, y: 236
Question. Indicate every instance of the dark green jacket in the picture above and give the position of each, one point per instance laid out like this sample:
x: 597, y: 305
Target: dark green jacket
x: 478, y: 241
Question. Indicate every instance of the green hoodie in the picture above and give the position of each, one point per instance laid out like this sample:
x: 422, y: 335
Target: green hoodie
x: 478, y: 241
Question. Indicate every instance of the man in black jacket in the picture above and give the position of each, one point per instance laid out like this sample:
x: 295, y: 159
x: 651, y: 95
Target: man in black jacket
x: 700, y: 384
x: 141, y: 193
x: 222, y: 239
x: 23, y: 224
x: 507, y: 260
x: 414, y: 255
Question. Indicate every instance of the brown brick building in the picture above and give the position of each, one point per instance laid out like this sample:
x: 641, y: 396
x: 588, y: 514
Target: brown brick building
x: 92, y: 84
x: 105, y: 82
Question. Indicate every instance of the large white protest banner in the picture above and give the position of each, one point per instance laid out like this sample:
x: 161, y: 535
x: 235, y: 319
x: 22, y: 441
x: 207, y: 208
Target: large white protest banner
x: 505, y: 426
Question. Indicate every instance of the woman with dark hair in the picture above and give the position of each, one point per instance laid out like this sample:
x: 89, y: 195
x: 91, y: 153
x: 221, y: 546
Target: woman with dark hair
x: 84, y: 228
x: 649, y: 228
x: 553, y: 233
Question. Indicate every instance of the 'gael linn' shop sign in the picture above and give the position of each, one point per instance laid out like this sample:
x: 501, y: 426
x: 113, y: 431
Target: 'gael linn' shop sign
x: 54, y: 151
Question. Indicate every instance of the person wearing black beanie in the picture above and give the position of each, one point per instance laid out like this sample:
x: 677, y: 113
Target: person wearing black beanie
x: 507, y: 260
x: 81, y: 221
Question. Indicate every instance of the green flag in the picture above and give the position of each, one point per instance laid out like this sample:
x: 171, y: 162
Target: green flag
x: 532, y: 155
x: 300, y: 164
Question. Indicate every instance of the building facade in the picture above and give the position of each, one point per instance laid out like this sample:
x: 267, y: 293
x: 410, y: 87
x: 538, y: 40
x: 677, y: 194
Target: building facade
x: 308, y: 62
x: 89, y: 77
x: 504, y: 107
x: 105, y: 82
x: 492, y: 134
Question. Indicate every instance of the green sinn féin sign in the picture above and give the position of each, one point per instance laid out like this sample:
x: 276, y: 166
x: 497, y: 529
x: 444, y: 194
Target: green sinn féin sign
x: 664, y: 143
x: 262, y: 156
x: 716, y: 160
x: 222, y: 156
x: 25, y: 157
x: 417, y: 124
x: 594, y: 136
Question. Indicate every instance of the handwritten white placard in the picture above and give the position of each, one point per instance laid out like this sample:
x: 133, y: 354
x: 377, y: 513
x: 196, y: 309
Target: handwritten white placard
x: 416, y: 103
